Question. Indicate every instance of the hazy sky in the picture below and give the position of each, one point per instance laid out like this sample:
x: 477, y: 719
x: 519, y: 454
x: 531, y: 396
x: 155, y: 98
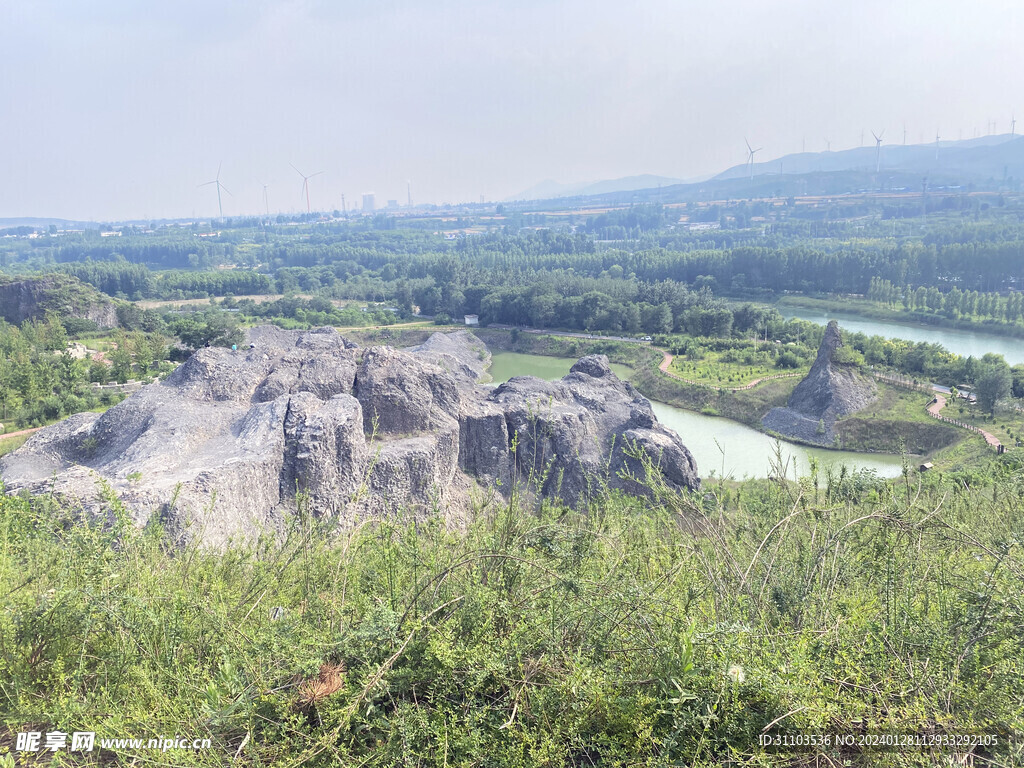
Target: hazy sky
x: 120, y: 108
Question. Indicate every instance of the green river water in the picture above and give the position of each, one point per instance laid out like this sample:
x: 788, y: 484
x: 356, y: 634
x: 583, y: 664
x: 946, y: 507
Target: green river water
x: 720, y: 446
x: 958, y: 341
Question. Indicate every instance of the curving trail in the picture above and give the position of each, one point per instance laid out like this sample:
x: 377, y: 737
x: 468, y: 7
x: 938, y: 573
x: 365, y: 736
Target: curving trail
x: 666, y: 362
x: 935, y: 411
x: 20, y: 433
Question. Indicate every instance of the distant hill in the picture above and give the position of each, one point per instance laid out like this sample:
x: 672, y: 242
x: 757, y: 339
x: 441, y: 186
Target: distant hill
x: 41, y: 223
x: 550, y: 190
x: 988, y: 157
x: 987, y: 160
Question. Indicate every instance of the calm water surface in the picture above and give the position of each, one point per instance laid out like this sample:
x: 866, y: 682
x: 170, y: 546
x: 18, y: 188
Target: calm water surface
x: 720, y: 446
x: 955, y: 340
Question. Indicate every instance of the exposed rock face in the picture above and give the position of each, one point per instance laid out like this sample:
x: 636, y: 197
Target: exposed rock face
x: 830, y: 390
x: 588, y: 428
x: 402, y: 394
x: 32, y: 297
x: 222, y: 447
x: 460, y: 353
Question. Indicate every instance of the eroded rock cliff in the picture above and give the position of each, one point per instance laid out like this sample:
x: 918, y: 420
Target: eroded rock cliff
x: 830, y: 390
x: 225, y: 446
x: 25, y: 298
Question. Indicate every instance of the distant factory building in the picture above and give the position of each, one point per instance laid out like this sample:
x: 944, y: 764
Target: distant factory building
x: 472, y: 320
x: 369, y: 203
x: 392, y: 203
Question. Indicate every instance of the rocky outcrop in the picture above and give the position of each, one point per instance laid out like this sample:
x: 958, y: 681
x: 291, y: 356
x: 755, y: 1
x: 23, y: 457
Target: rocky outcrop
x: 830, y: 390
x: 460, y: 353
x: 588, y: 431
x: 232, y: 442
x: 32, y: 297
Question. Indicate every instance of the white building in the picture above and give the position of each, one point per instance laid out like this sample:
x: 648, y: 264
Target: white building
x: 369, y: 202
x: 472, y: 320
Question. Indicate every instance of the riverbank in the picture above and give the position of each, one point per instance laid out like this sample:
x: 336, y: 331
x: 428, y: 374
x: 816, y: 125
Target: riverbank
x: 898, y: 422
x: 723, y: 448
x: 870, y: 310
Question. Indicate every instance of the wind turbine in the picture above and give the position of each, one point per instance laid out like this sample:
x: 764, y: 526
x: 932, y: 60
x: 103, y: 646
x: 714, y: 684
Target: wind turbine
x: 1013, y: 125
x: 305, y: 184
x: 936, y: 145
x: 220, y: 207
x: 750, y: 157
x: 266, y: 199
x: 878, y: 149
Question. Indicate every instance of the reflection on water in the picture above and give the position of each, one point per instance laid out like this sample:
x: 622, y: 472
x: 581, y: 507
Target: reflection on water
x: 720, y: 446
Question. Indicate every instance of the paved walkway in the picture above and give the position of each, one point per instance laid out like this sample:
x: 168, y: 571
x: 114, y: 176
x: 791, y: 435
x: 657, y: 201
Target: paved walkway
x: 935, y: 411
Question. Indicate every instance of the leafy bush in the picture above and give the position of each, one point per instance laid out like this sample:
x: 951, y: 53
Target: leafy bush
x: 788, y: 360
x: 847, y: 355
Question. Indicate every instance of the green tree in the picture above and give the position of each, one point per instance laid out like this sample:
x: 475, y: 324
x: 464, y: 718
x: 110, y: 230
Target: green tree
x: 72, y: 371
x: 1017, y: 374
x: 120, y: 365
x: 55, y: 337
x: 993, y: 384
x: 207, y: 329
x: 99, y: 372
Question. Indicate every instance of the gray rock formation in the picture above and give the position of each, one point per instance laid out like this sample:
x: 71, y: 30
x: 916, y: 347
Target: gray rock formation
x: 830, y: 390
x: 227, y: 444
x: 460, y: 353
x: 588, y: 429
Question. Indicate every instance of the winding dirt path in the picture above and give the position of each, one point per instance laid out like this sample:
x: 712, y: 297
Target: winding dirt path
x: 666, y: 363
x: 20, y: 433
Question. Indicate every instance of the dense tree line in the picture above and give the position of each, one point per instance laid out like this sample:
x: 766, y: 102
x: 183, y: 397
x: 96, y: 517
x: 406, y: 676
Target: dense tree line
x: 308, y: 313
x: 123, y: 279
x: 952, y: 304
x: 41, y: 381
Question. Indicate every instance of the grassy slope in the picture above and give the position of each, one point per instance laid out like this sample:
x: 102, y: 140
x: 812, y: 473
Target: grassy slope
x: 654, y: 633
x: 895, y: 422
x: 714, y: 372
x: 8, y: 444
x: 1007, y: 424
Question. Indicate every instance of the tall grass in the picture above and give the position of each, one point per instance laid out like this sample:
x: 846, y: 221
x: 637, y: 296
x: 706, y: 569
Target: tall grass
x: 672, y: 630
